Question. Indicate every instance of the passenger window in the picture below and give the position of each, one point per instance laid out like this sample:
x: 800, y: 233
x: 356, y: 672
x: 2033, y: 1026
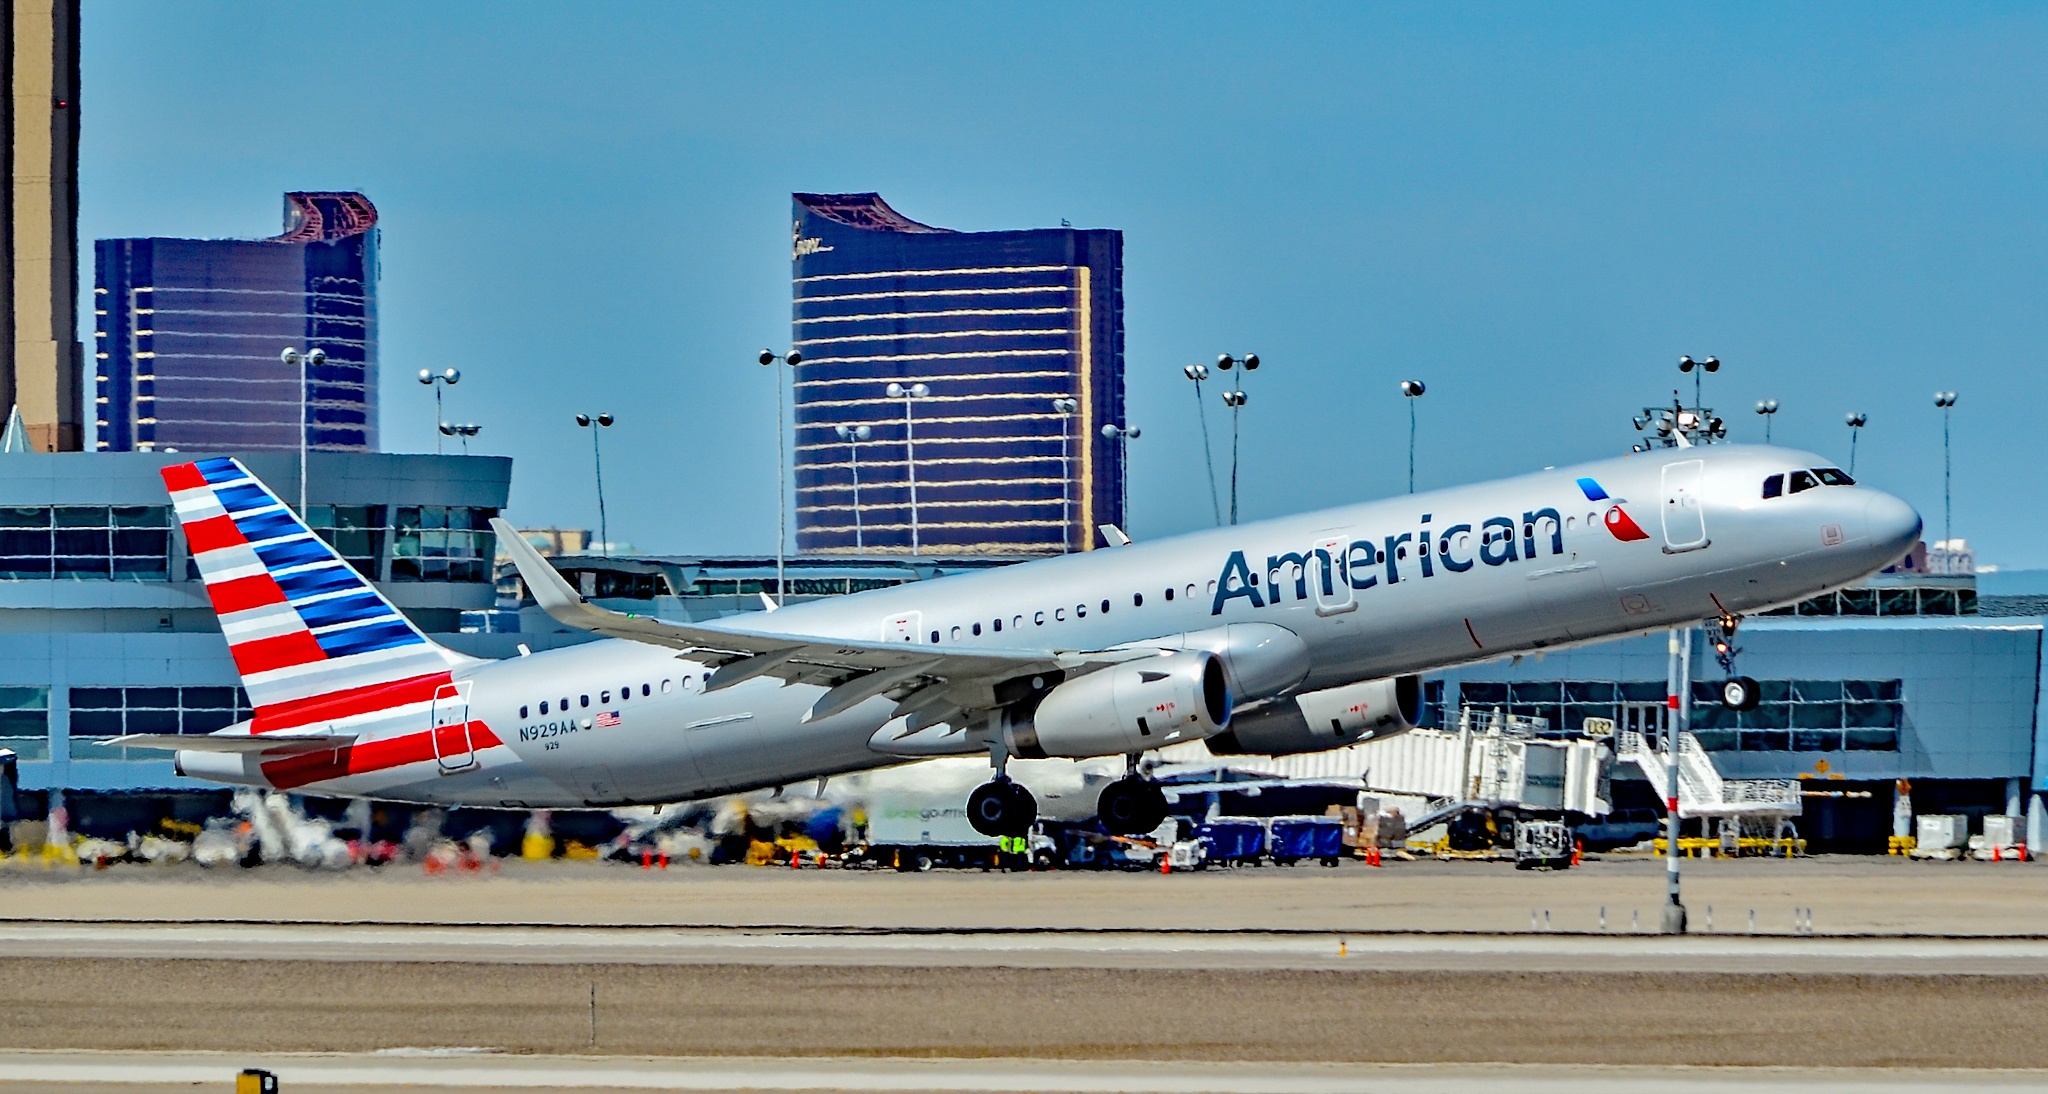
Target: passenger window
x: 543, y: 706
x: 1833, y: 476
x: 1169, y: 593
x: 977, y: 630
x: 585, y: 699
x: 1080, y: 611
x: 666, y: 687
x: 935, y: 636
x: 646, y: 690
x: 998, y: 625
x: 1774, y: 486
x: 1105, y: 607
x: 956, y: 634
x: 1038, y: 619
x: 1059, y: 615
x: 625, y: 693
x: 1802, y: 481
x: 522, y: 712
x: 604, y: 696
x: 1137, y: 600
x: 565, y: 704
x: 1212, y: 586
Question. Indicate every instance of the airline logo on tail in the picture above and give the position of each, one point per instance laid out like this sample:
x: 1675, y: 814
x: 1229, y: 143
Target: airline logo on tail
x: 1618, y: 522
x: 300, y: 622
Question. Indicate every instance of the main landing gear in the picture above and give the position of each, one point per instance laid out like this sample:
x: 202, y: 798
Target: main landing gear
x: 1000, y: 807
x: 1737, y: 692
x: 1131, y: 805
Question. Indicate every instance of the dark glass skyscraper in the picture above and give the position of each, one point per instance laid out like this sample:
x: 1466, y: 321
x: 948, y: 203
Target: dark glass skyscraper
x: 1018, y: 339
x: 188, y: 333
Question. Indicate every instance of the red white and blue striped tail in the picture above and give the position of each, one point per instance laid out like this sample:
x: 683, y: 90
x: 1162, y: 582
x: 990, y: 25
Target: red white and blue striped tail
x: 300, y: 622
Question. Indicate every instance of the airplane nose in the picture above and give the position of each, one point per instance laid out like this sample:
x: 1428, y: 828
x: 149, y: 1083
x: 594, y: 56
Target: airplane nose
x: 1890, y: 523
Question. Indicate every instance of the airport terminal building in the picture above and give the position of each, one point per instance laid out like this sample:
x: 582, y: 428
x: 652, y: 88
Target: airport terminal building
x: 1007, y: 350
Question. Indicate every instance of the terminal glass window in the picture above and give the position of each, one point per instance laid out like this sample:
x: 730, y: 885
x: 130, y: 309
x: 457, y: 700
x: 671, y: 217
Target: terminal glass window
x: 111, y: 712
x: 1803, y: 716
x: 1564, y: 704
x: 442, y: 543
x: 1889, y: 600
x: 24, y: 712
x: 86, y: 542
x: 356, y: 532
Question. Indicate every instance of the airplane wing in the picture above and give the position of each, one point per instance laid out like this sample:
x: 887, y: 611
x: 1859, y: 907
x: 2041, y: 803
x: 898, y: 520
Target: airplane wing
x: 933, y: 685
x: 274, y: 744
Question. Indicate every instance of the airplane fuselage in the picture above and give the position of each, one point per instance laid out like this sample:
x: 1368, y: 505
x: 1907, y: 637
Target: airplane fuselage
x: 1403, y: 585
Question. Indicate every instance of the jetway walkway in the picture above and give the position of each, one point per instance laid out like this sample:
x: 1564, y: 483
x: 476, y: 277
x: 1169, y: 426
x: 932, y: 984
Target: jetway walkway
x: 1702, y: 792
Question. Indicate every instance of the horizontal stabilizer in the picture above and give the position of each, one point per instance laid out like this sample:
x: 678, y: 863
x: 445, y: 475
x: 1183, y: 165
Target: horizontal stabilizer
x: 274, y: 744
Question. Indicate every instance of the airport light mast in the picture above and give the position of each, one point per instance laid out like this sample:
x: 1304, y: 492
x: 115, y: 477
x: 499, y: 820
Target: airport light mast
x: 1235, y: 400
x: 1946, y: 400
x: 1199, y: 372
x: 596, y: 424
x: 1413, y: 390
x: 447, y: 377
x: 1768, y: 409
x: 1123, y: 436
x: 304, y: 362
x: 1855, y: 420
x: 853, y: 435
x: 909, y: 393
x: 792, y: 359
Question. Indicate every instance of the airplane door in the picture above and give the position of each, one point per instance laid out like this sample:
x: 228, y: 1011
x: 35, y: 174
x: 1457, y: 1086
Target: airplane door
x: 1329, y: 574
x: 452, y: 746
x: 903, y: 628
x: 1685, y: 519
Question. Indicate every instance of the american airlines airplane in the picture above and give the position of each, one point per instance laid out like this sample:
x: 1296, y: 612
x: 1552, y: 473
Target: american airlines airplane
x: 1283, y: 636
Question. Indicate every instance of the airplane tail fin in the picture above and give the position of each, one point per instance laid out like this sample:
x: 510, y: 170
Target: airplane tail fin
x: 307, y: 632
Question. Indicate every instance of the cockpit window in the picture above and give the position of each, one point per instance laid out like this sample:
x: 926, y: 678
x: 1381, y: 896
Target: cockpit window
x: 1774, y: 486
x: 1803, y: 480
x: 1833, y: 476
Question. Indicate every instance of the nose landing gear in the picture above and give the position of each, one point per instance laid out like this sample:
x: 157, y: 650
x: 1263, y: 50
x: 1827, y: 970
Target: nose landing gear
x: 1737, y: 692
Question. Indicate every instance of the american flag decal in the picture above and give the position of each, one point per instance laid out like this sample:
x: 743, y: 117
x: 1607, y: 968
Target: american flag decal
x: 606, y: 719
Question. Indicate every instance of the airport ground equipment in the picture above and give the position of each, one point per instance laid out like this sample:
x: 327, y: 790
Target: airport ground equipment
x: 1935, y: 833
x: 921, y: 832
x: 1293, y: 839
x: 1543, y: 844
x: 1232, y: 841
x: 1702, y: 792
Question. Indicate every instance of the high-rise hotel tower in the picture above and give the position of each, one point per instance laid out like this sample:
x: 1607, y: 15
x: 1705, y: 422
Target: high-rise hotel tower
x: 1017, y: 339
x: 188, y: 333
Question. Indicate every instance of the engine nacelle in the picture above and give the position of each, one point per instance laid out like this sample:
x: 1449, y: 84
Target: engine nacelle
x: 1132, y: 707
x: 1319, y: 720
x: 1261, y: 660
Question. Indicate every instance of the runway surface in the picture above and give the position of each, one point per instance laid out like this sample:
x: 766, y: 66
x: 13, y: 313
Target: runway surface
x: 148, y: 1072
x: 1531, y: 952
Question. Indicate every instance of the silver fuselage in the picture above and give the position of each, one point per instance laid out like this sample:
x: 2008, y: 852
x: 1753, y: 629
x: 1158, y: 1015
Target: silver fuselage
x: 1552, y: 568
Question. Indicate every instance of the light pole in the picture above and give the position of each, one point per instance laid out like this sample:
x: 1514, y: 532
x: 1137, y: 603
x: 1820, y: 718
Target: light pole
x: 1946, y: 400
x: 853, y: 435
x: 1235, y: 400
x: 1708, y: 364
x: 1199, y: 372
x: 908, y: 393
x: 1769, y: 409
x: 1123, y: 436
x: 1413, y: 389
x: 594, y: 424
x: 449, y: 377
x: 792, y: 359
x: 1064, y: 406
x: 304, y: 362
x: 465, y: 430
x: 1855, y: 422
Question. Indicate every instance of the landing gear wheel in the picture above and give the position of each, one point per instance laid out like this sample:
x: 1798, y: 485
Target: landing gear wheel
x: 1130, y: 806
x: 1739, y: 693
x: 1002, y: 808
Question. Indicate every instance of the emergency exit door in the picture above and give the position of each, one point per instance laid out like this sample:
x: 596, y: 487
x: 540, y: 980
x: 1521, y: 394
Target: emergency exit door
x: 452, y: 746
x: 1685, y: 518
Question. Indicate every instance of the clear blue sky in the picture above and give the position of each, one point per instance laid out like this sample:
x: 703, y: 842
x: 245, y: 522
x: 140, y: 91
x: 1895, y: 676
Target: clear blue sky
x: 1535, y: 209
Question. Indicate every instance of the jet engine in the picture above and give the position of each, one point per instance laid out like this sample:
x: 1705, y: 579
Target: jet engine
x: 1319, y: 720
x: 1131, y: 707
